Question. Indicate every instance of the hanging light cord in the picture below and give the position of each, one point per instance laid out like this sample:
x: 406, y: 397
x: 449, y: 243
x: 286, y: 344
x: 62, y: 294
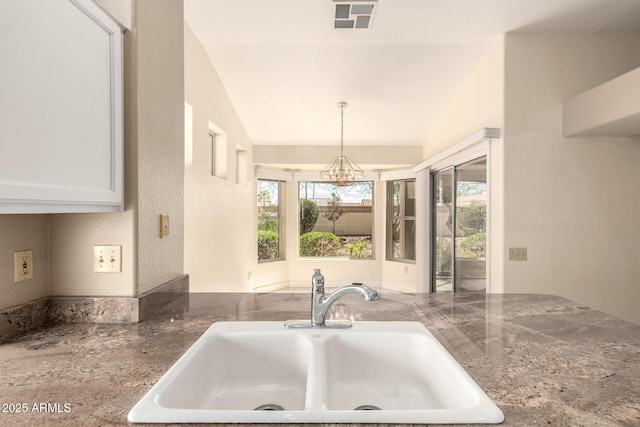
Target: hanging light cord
x: 342, y: 171
x: 342, y: 105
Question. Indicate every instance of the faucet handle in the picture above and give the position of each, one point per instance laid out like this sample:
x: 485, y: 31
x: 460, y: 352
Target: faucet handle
x: 356, y: 283
x: 317, y: 279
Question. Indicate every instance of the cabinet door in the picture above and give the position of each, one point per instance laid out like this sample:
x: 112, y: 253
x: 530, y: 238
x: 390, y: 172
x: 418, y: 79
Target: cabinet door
x: 60, y: 108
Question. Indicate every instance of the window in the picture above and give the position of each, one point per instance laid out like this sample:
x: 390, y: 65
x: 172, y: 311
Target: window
x: 270, y: 236
x: 218, y: 151
x: 241, y: 166
x: 336, y: 221
x: 401, y: 220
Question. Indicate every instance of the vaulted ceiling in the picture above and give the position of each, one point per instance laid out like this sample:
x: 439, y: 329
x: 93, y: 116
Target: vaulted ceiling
x: 285, y: 67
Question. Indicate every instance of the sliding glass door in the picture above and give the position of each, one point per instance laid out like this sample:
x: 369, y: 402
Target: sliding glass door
x: 459, y: 227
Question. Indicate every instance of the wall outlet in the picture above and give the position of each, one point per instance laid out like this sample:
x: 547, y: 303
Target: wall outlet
x: 517, y: 254
x: 22, y: 265
x: 107, y: 259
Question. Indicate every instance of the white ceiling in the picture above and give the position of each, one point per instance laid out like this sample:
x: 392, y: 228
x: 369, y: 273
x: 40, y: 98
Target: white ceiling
x: 285, y: 68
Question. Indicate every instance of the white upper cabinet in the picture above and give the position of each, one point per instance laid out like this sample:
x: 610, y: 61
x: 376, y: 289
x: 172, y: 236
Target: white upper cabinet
x: 61, y: 146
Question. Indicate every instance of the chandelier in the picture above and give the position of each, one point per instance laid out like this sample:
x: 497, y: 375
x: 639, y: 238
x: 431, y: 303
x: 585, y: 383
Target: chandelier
x: 342, y: 171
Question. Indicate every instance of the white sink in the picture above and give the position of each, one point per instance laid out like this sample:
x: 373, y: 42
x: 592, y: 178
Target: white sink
x: 397, y: 370
x: 239, y: 372
x: 394, y: 371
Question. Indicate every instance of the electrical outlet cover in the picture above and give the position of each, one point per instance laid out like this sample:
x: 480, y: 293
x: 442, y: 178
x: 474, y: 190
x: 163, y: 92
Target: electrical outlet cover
x: 22, y: 266
x: 517, y: 254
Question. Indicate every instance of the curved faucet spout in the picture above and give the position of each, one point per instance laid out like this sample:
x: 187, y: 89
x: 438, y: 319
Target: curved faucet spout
x: 322, y: 304
x: 354, y: 288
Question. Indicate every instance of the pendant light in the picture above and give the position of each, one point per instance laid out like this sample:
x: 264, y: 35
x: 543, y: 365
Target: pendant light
x: 342, y: 171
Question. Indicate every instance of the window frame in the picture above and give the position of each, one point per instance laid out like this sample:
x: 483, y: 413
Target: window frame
x: 218, y: 149
x: 373, y: 182
x: 242, y: 167
x: 279, y: 217
x: 391, y: 217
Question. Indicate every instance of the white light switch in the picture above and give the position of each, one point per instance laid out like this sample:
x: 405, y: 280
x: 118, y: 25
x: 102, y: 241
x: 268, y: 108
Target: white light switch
x: 107, y: 259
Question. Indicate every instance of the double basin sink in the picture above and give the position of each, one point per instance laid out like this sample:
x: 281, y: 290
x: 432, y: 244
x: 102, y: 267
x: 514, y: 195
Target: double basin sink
x: 261, y: 372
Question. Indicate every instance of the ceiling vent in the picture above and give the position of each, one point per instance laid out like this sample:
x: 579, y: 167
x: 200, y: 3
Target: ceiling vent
x: 354, y: 13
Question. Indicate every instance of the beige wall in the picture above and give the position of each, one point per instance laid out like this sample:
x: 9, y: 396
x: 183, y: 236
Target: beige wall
x: 120, y: 10
x: 573, y: 202
x: 480, y: 104
x: 570, y: 201
x: 220, y: 215
x: 315, y: 157
x: 154, y: 128
x: 354, y: 223
x: 17, y: 233
x: 160, y: 47
x: 72, y: 237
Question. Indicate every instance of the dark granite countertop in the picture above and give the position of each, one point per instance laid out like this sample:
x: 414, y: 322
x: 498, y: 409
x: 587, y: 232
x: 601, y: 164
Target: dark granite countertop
x: 543, y: 360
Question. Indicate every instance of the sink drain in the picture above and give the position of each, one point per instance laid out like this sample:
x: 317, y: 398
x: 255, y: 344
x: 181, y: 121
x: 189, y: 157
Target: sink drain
x: 367, y: 408
x: 269, y: 407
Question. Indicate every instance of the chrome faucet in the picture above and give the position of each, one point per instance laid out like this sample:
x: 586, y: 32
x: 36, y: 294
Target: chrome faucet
x: 321, y: 304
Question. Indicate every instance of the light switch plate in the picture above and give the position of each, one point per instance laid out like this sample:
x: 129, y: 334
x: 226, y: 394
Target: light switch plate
x: 107, y: 259
x: 164, y: 226
x: 517, y: 254
x: 22, y: 265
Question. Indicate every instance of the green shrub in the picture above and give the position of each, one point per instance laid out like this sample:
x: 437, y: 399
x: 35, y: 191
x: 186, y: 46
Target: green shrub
x: 468, y: 255
x: 443, y: 256
x: 476, y: 243
x: 355, y: 249
x: 268, y: 244
x: 309, y: 212
x: 319, y: 244
x: 471, y: 219
x: 268, y: 225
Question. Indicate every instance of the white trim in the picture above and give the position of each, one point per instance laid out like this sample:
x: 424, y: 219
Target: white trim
x: 489, y: 250
x: 299, y: 286
x: 395, y: 175
x: 423, y: 230
x: 475, y: 151
x: 315, y: 177
x: 470, y: 141
x: 218, y: 152
x: 470, y: 148
x: 272, y: 287
x: 188, y: 135
x: 333, y: 284
x: 275, y: 175
x: 399, y: 287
